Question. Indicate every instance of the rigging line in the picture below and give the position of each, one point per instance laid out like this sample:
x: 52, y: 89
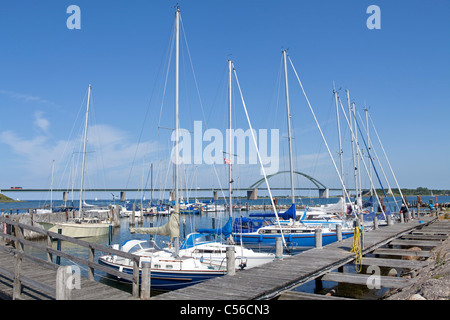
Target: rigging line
x: 320, y: 130
x: 259, y: 157
x: 200, y: 100
x: 72, y: 144
x: 371, y: 160
x: 368, y: 147
x: 169, y: 59
x: 364, y: 163
x: 147, y: 111
x: 370, y: 117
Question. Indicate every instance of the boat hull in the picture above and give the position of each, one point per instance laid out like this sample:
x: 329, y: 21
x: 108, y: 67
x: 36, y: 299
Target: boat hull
x: 296, y: 240
x: 168, y: 280
x: 76, y: 230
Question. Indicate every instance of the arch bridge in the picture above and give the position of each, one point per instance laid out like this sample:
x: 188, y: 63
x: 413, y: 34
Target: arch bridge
x: 252, y: 193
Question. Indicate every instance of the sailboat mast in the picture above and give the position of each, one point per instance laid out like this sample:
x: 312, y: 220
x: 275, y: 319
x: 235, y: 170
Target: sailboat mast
x: 230, y: 173
x: 340, y: 142
x: 291, y: 171
x: 177, y: 124
x: 84, y: 150
x: 358, y: 154
x: 51, y: 188
x: 353, y: 144
x: 366, y: 112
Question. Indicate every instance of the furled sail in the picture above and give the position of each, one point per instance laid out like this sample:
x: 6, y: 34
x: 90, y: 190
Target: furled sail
x: 171, y: 228
x: 288, y: 214
x: 225, y: 230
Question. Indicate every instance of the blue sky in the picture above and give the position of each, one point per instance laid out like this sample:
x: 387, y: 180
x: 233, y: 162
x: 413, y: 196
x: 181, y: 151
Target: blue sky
x: 400, y: 72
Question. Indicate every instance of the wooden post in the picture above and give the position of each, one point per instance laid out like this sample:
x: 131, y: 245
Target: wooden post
x: 49, y: 246
x: 91, y: 270
x: 146, y: 280
x: 318, y: 238
x: 389, y: 220
x: 58, y: 247
x: 231, y: 261
x: 136, y: 281
x: 17, y: 289
x: 133, y: 213
x: 63, y: 276
x: 375, y: 223
x: 402, y: 217
x: 339, y: 232
x: 278, y: 248
x: 141, y: 217
x: 418, y: 209
x: 116, y: 216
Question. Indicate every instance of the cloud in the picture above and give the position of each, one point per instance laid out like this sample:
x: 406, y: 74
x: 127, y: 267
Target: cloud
x: 26, y: 97
x: 111, y: 156
x: 41, y: 122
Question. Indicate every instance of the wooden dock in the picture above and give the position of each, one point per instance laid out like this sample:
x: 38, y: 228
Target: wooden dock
x: 27, y: 277
x: 276, y: 280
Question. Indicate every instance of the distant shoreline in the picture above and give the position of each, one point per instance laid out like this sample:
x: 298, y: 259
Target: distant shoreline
x: 5, y: 199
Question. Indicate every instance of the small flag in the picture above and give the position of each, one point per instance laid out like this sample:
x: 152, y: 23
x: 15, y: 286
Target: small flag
x: 227, y: 161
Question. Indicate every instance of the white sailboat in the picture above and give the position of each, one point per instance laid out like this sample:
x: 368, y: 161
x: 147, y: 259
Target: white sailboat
x: 83, y: 226
x: 198, y: 258
x: 292, y: 232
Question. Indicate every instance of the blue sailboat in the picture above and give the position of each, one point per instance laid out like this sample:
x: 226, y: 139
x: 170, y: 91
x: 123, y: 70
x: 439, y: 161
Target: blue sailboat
x: 296, y: 233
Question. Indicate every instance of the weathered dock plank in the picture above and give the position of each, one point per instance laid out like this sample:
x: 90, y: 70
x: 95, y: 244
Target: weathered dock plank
x: 402, y: 252
x: 415, y: 243
x: 394, y: 263
x: 363, y: 279
x: 424, y: 237
x: 295, y: 295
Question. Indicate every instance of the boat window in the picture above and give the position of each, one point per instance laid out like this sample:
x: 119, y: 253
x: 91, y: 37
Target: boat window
x: 157, y: 266
x: 169, y: 266
x: 204, y: 238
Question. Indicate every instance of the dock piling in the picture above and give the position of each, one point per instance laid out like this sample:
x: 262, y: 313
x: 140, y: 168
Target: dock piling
x: 231, y: 261
x: 63, y: 277
x: 318, y: 238
x: 146, y: 281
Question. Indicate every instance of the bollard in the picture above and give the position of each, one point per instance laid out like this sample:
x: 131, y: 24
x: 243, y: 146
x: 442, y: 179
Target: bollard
x: 146, y: 280
x: 63, y: 278
x: 231, y: 261
x: 278, y: 248
x: 339, y: 232
x: 389, y: 220
x: 402, y: 217
x: 375, y: 223
x: 133, y: 215
x: 318, y: 238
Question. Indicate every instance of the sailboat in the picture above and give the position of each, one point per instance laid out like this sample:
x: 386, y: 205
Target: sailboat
x: 295, y: 233
x: 170, y: 270
x: 200, y: 256
x: 82, y: 226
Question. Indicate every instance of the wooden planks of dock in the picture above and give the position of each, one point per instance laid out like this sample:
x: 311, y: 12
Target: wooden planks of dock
x: 35, y: 278
x: 272, y: 279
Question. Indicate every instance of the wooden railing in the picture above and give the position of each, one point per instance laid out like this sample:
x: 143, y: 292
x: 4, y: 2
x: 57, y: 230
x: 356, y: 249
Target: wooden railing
x: 14, y: 232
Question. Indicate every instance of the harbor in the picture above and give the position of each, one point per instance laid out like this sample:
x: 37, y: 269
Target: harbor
x: 228, y: 160
x: 293, y: 276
